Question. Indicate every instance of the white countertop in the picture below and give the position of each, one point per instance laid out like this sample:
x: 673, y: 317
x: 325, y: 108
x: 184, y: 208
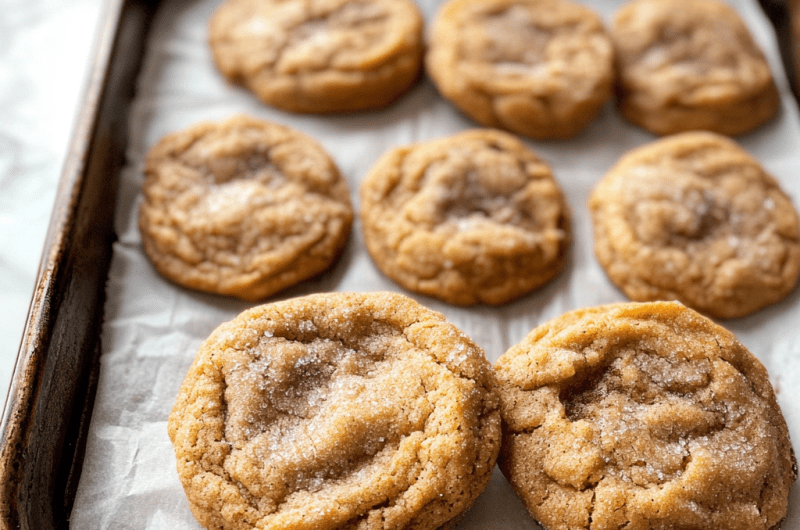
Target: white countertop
x: 45, y: 55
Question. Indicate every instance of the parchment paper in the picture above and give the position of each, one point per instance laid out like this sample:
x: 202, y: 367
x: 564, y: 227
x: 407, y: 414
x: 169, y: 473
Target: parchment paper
x: 153, y: 328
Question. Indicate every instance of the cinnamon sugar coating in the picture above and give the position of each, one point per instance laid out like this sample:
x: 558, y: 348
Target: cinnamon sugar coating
x: 319, y: 56
x: 693, y: 217
x: 242, y: 208
x: 539, y: 68
x: 336, y: 411
x: 685, y: 66
x: 642, y: 416
x: 472, y: 218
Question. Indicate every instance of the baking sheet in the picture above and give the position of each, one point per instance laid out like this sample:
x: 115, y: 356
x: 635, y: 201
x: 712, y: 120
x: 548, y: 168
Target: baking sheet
x: 153, y: 328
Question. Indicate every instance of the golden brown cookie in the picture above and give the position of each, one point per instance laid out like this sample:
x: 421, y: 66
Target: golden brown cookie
x: 474, y: 218
x: 242, y: 208
x: 540, y: 68
x: 321, y: 55
x: 695, y: 218
x: 642, y: 416
x: 335, y: 411
x: 692, y: 65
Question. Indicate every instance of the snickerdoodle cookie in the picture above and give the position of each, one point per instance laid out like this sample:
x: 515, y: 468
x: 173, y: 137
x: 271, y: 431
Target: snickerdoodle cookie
x: 336, y: 411
x: 690, y: 65
x: 693, y: 217
x: 473, y: 218
x: 242, y: 208
x: 642, y: 416
x: 539, y: 68
x: 319, y: 56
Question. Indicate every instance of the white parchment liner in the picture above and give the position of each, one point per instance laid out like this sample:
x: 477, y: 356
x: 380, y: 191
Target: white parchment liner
x: 153, y: 328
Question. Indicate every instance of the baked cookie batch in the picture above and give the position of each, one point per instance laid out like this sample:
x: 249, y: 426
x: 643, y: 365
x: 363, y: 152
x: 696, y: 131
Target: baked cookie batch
x: 242, y: 208
x: 336, y: 410
x: 642, y: 416
x: 474, y: 218
x: 319, y: 56
x: 370, y: 411
x: 541, y: 68
x: 685, y: 66
x: 693, y: 217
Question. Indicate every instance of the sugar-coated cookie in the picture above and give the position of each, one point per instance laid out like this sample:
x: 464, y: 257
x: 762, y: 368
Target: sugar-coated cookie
x: 319, y: 56
x: 539, y: 68
x: 695, y: 218
x: 336, y: 411
x: 642, y: 416
x: 472, y: 218
x: 242, y: 208
x: 692, y: 65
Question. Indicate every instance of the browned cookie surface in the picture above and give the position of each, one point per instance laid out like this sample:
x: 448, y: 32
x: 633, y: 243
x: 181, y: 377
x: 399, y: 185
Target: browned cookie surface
x: 473, y: 218
x: 321, y: 55
x: 690, y: 65
x: 242, y: 208
x: 695, y: 218
x: 341, y: 410
x: 539, y: 68
x: 642, y: 416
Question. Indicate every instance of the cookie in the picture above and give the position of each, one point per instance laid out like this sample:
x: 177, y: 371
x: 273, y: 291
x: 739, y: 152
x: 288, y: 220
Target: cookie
x: 694, y: 218
x: 339, y: 410
x: 242, y: 208
x: 319, y: 56
x: 642, y: 416
x: 539, y: 68
x: 686, y: 66
x: 473, y: 218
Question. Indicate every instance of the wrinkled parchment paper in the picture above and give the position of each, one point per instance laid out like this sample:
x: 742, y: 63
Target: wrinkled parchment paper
x: 153, y: 328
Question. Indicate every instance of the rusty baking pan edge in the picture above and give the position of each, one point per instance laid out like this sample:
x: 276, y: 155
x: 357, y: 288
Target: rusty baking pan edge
x: 785, y: 18
x: 49, y: 403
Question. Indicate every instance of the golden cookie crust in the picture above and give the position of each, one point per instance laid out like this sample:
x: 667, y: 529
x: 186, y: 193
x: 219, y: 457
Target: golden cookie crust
x: 472, y: 218
x: 686, y: 66
x: 242, y: 208
x: 319, y: 56
x: 693, y: 217
x: 642, y: 416
x: 539, y: 68
x: 335, y: 411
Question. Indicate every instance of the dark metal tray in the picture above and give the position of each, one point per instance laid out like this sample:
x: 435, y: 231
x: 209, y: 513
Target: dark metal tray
x: 50, y: 400
x: 49, y: 404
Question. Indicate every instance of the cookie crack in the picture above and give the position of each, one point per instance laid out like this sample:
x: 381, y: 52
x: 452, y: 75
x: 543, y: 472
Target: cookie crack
x: 431, y: 356
x: 527, y: 430
x: 221, y: 469
x: 179, y: 153
x: 751, y: 384
x: 333, y: 21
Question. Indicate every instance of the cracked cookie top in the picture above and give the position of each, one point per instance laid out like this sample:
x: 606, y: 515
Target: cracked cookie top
x: 686, y: 66
x: 321, y: 55
x: 539, y: 68
x: 642, y: 416
x: 695, y: 218
x: 473, y: 218
x: 242, y: 208
x: 337, y: 410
